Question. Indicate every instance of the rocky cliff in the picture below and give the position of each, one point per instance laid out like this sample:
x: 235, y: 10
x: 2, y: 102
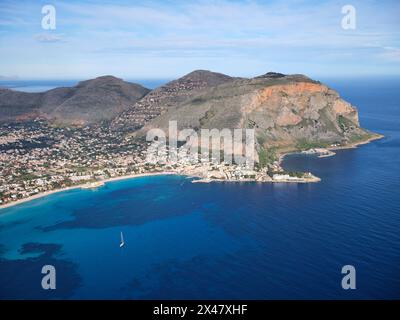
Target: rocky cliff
x: 288, y: 112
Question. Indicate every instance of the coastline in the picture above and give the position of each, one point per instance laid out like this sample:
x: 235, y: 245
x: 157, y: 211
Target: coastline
x: 375, y: 136
x: 83, y: 186
x: 99, y: 183
x: 314, y: 179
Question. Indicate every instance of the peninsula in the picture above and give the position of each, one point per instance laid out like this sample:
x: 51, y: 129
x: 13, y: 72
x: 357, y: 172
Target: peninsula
x: 86, y: 135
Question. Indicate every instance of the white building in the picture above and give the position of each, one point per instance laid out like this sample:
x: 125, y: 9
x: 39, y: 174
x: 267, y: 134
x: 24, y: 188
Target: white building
x: 80, y: 178
x: 281, y: 177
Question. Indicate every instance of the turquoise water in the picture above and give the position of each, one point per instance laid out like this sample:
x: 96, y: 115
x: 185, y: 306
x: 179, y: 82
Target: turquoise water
x: 223, y: 240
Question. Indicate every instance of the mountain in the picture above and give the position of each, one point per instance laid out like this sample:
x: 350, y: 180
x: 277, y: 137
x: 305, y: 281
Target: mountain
x: 170, y: 94
x: 89, y: 102
x: 288, y: 112
x: 18, y: 106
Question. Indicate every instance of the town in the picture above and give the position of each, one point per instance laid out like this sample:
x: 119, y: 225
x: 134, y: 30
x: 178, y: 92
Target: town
x: 36, y: 158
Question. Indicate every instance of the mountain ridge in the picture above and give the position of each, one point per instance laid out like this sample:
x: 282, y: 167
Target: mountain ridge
x: 169, y: 94
x: 90, y: 101
x: 288, y: 112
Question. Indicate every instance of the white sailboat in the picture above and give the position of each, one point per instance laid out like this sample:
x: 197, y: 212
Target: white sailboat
x: 122, y: 241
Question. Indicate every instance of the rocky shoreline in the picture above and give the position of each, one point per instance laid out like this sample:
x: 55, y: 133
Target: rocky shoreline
x: 330, y: 150
x: 310, y: 179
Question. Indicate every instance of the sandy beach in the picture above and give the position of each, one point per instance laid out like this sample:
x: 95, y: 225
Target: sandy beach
x: 81, y: 186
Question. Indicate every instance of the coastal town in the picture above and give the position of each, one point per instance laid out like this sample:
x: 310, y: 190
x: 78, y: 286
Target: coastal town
x: 36, y: 159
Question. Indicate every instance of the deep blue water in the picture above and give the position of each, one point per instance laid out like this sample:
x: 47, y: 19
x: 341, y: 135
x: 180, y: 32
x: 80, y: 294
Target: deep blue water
x: 224, y: 241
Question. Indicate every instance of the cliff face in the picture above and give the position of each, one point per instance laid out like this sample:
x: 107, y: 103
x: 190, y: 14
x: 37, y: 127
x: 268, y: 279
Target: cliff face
x: 89, y: 102
x: 287, y: 112
x: 298, y: 100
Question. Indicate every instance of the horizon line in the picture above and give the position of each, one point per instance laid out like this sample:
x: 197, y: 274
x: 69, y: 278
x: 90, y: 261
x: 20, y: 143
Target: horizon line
x: 130, y: 78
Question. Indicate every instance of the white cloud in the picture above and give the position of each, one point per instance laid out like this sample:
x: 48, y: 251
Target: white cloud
x: 391, y: 54
x: 289, y: 36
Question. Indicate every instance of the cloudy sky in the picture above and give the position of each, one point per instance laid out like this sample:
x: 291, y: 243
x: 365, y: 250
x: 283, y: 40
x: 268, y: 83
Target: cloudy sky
x: 166, y: 39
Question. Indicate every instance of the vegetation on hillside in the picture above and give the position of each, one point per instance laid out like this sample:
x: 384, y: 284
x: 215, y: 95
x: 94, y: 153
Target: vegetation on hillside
x: 267, y: 156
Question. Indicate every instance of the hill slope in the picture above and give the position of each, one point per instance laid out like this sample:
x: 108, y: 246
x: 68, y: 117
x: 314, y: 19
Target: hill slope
x: 288, y: 112
x: 170, y: 94
x: 89, y: 102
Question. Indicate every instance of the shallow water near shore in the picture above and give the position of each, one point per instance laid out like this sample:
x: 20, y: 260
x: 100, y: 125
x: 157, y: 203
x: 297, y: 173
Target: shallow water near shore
x: 223, y: 240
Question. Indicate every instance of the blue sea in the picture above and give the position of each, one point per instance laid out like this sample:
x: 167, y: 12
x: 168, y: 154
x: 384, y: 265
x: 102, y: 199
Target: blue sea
x: 45, y: 85
x: 224, y: 240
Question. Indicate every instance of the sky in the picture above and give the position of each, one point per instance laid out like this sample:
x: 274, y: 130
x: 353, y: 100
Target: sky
x: 168, y: 38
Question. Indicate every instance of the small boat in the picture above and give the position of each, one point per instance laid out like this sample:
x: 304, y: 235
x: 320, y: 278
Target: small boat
x: 122, y: 241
